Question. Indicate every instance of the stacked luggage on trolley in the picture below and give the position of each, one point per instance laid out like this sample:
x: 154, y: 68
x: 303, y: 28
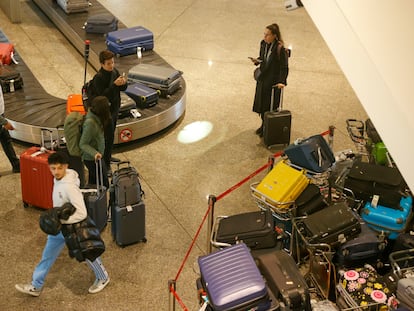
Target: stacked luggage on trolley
x: 332, y: 232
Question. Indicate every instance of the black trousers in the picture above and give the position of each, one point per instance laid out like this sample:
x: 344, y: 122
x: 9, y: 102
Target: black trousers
x: 109, y: 132
x: 6, y: 143
x: 94, y: 173
x: 76, y: 164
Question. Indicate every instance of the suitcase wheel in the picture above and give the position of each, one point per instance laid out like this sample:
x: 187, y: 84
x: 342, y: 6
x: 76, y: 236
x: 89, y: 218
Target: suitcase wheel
x: 25, y: 204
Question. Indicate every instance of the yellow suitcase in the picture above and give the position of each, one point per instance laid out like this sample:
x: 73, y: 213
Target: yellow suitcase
x: 282, y: 185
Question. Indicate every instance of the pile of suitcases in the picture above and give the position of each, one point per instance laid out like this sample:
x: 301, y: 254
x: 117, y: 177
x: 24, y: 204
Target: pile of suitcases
x: 314, y: 250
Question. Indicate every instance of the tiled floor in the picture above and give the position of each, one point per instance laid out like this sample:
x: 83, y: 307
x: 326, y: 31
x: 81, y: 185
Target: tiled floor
x: 210, y: 42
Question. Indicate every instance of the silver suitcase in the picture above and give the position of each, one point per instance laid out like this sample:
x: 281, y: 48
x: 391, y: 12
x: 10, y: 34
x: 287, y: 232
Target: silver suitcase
x: 74, y: 6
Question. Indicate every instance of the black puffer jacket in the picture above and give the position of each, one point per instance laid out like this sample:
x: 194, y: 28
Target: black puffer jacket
x: 83, y: 240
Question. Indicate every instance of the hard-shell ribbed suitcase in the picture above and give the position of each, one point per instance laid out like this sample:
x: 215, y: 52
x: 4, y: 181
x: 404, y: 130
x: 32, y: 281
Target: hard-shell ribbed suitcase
x: 312, y: 153
x: 128, y: 223
x: 255, y: 229
x: 277, y: 124
x: 74, y: 6
x: 282, y: 185
x: 101, y: 23
x: 74, y: 103
x: 285, y: 280
x: 232, y: 280
x: 165, y: 79
x: 332, y: 225
x: 387, y: 220
x: 143, y: 96
x: 126, y: 41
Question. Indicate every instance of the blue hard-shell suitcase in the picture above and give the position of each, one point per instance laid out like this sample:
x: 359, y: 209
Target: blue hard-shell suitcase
x: 232, y: 280
x: 143, y: 96
x: 312, y: 153
x: 391, y: 221
x: 126, y: 41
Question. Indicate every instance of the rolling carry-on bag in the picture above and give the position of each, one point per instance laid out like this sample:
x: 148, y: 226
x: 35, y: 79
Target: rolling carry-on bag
x: 255, y: 229
x: 277, y: 124
x: 126, y: 41
x: 101, y: 23
x: 10, y: 79
x: 127, y: 104
x: 388, y: 220
x: 232, y: 280
x: 285, y: 280
x: 332, y: 225
x: 309, y: 201
x: 312, y: 153
x: 126, y: 187
x: 282, y: 185
x: 128, y: 223
x: 165, y: 79
x: 74, y: 6
x: 35, y: 176
x: 143, y: 96
x: 96, y: 199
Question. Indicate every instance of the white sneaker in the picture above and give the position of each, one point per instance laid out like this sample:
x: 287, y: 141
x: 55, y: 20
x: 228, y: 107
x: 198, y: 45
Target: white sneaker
x: 28, y: 289
x: 98, y: 285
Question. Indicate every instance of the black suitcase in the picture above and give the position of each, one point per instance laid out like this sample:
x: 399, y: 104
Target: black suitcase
x: 101, y: 23
x: 332, y: 225
x: 10, y: 79
x: 372, y: 132
x: 285, y: 280
x: 128, y: 224
x: 255, y: 229
x: 309, y: 201
x: 96, y: 200
x: 127, y: 103
x: 277, y: 124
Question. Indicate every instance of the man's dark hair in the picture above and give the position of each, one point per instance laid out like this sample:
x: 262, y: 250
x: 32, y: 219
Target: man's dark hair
x: 105, y: 55
x: 58, y: 158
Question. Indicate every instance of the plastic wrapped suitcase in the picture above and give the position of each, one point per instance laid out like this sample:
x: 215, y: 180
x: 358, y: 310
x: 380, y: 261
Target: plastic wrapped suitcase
x: 36, y: 179
x: 332, y: 225
x: 101, y: 23
x: 405, y: 292
x: 281, y: 186
x: 143, y: 96
x: 165, y: 79
x: 387, y: 220
x: 277, y: 124
x: 127, y: 104
x: 232, y: 280
x: 128, y: 223
x: 75, y: 103
x: 312, y: 153
x: 74, y: 6
x: 96, y: 200
x: 255, y: 229
x: 285, y: 280
x: 126, y: 41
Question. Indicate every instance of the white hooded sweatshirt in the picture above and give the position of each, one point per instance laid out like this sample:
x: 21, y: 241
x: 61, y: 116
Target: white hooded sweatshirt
x: 66, y: 190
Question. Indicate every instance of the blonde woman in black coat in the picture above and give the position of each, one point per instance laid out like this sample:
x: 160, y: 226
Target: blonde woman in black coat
x: 273, y: 64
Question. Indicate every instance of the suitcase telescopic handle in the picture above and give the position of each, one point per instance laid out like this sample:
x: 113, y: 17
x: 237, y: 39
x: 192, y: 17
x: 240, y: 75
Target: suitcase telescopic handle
x: 122, y: 163
x: 99, y: 181
x: 272, y: 98
x: 42, y: 137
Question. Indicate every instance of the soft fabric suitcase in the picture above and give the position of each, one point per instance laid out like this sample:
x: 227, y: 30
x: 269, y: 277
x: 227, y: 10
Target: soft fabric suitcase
x: 126, y: 187
x: 101, y: 23
x: 165, y: 79
x: 74, y: 6
x: 126, y: 41
x: 282, y: 185
x: 10, y: 79
x: 127, y: 103
x: 309, y: 201
x: 405, y: 292
x: 255, y: 229
x: 128, y: 223
x: 387, y: 220
x: 332, y: 225
x: 95, y: 197
x: 366, y: 180
x: 143, y: 96
x: 277, y: 124
x: 312, y: 153
x: 285, y: 280
x: 232, y: 280
x: 74, y: 103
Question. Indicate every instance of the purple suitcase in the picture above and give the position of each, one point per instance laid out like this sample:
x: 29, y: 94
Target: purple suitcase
x: 126, y: 41
x: 143, y: 95
x: 232, y: 279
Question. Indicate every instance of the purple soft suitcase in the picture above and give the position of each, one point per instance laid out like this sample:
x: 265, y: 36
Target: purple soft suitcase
x: 126, y: 41
x: 143, y: 95
x: 232, y: 280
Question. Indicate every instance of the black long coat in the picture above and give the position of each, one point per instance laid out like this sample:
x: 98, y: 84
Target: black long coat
x: 274, y: 70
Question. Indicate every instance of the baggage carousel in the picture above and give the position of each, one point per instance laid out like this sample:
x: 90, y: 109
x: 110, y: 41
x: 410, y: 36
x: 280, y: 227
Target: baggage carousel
x: 32, y: 108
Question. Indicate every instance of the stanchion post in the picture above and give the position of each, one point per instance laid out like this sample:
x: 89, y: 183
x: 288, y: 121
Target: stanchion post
x: 331, y: 136
x: 171, y: 300
x: 210, y: 219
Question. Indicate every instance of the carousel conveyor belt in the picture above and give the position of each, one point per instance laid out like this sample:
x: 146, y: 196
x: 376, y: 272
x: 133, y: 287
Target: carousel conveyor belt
x: 32, y: 108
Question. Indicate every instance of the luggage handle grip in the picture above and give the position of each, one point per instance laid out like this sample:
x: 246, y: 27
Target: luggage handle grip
x: 213, y: 240
x: 99, y: 181
x: 272, y: 98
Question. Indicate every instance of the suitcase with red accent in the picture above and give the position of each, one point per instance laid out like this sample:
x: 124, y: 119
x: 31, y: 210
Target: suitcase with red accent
x: 36, y: 179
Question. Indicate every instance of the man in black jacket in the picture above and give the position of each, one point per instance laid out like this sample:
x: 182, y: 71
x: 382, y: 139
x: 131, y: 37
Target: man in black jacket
x: 109, y: 83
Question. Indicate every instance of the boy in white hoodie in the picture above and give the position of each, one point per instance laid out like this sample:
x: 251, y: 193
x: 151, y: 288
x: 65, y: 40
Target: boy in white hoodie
x: 65, y: 190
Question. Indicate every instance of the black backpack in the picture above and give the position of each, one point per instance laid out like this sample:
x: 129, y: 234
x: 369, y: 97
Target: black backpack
x: 88, y: 94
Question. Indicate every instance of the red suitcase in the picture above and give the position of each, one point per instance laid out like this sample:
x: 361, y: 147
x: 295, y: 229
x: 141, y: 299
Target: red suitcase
x: 6, y: 53
x: 35, y: 176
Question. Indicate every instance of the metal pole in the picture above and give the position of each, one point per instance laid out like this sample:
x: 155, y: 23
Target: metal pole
x: 331, y: 136
x: 171, y: 283
x: 211, y: 201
